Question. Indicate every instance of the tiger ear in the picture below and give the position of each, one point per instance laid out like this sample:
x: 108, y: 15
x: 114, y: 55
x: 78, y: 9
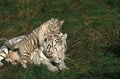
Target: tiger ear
x: 65, y: 36
x: 61, y: 22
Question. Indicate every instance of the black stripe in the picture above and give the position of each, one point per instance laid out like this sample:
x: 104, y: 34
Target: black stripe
x: 4, y: 52
x: 2, y: 56
x: 52, y: 44
x: 38, y: 43
x: 48, y: 45
x: 26, y: 46
x: 55, y: 48
x: 25, y: 57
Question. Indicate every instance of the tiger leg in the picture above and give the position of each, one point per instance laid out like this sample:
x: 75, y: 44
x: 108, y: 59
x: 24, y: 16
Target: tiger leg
x: 1, y: 58
x: 62, y: 66
x: 51, y: 67
x: 24, y: 59
x: 1, y: 64
x: 23, y: 63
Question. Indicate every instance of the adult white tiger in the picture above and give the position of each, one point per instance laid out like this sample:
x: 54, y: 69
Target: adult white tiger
x: 4, y: 50
x: 53, y: 56
x: 55, y: 53
x: 36, y: 39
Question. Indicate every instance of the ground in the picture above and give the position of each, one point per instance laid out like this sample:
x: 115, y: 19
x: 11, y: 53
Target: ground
x: 93, y: 28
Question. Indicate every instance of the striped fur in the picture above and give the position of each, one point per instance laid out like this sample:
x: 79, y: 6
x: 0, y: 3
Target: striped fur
x: 55, y: 49
x: 55, y: 46
x: 4, y: 50
x: 3, y: 54
x: 36, y: 39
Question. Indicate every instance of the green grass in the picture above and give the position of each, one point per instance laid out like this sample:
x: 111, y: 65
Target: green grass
x: 93, y: 29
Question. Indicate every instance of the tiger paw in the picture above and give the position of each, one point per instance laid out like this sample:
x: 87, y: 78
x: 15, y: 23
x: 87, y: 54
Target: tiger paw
x: 53, y: 69
x: 14, y: 63
x: 63, y: 67
x: 24, y: 64
x: 1, y: 64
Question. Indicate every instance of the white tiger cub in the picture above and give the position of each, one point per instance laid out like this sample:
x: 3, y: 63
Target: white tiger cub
x: 4, y: 50
x: 53, y: 26
x: 36, y: 39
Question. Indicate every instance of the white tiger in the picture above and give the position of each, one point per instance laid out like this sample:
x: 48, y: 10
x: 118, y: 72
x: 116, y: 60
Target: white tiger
x: 36, y: 39
x: 55, y: 53
x: 4, y: 50
x: 56, y: 47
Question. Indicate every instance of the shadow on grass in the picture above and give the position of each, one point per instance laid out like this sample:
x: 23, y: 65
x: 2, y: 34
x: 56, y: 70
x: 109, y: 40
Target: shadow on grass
x: 114, y: 48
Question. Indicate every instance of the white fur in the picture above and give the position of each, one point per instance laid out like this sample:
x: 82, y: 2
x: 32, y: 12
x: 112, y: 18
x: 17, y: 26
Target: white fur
x: 39, y: 57
x: 51, y: 26
x: 4, y: 49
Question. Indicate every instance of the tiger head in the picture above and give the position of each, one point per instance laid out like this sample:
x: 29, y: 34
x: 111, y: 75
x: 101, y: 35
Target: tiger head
x: 57, y: 48
x: 13, y: 57
x: 55, y: 25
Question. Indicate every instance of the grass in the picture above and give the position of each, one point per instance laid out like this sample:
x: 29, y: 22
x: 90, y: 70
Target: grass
x: 93, y: 29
